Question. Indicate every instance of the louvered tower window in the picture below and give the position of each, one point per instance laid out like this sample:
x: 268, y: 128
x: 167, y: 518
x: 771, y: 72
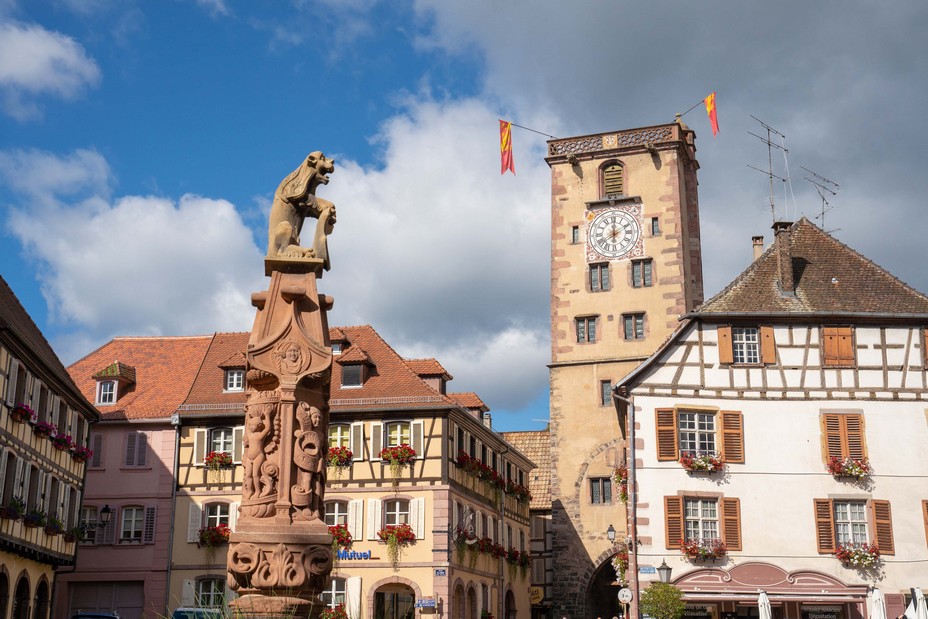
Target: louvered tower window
x: 613, y: 180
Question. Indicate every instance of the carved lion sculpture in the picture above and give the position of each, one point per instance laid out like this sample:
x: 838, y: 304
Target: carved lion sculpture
x: 294, y: 200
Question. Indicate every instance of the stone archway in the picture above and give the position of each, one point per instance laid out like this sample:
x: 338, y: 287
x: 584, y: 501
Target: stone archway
x: 40, y: 603
x: 457, y: 601
x: 21, y: 599
x: 602, y: 592
x: 4, y: 591
x: 393, y: 598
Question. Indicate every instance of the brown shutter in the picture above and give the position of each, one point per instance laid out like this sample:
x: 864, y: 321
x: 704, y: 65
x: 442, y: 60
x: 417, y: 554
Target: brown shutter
x: 925, y: 516
x: 854, y: 436
x: 825, y: 526
x: 883, y: 527
x: 666, y: 434
x: 837, y: 346
x: 673, y: 516
x: 731, y: 522
x: 768, y: 347
x: 725, y: 353
x: 831, y: 437
x: 829, y: 346
x: 845, y: 346
x: 732, y: 436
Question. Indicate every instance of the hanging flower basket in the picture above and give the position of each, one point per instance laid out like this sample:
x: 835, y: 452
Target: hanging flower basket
x: 519, y: 492
x: 699, y: 461
x: 35, y: 518
x: 44, y: 428
x: 858, y: 555
x: 398, y: 457
x: 335, y: 612
x: 703, y: 550
x: 516, y: 559
x: 62, y: 442
x: 22, y: 413
x: 210, y: 537
x: 397, y: 537
x: 340, y: 457
x: 859, y: 469
x: 620, y: 565
x: 80, y: 453
x: 53, y: 526
x: 620, y: 479
x: 218, y: 460
x: 341, y: 537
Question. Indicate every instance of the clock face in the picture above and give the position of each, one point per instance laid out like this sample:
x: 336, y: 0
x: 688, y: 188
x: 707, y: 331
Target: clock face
x: 613, y: 233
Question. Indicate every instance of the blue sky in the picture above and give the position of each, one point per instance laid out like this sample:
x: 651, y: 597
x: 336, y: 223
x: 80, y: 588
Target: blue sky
x: 141, y: 143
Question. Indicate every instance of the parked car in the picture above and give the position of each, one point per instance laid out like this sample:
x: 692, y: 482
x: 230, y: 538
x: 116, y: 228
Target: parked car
x: 197, y: 613
x: 94, y: 614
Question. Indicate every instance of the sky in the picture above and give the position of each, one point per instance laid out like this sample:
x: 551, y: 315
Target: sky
x: 141, y: 144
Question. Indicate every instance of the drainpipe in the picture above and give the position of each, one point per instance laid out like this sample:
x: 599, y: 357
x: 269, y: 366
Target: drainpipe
x: 175, y: 421
x: 632, y: 501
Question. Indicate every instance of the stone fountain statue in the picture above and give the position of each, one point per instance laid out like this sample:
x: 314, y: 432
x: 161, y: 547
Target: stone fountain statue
x: 281, y: 552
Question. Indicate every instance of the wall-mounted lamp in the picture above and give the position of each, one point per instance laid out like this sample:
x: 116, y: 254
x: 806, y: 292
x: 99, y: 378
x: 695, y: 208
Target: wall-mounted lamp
x: 105, y: 515
x: 610, y: 533
x: 663, y: 571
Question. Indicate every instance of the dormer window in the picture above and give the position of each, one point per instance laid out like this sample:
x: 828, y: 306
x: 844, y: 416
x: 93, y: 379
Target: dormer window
x: 106, y: 392
x: 235, y: 380
x: 336, y: 348
x: 355, y: 366
x: 352, y: 375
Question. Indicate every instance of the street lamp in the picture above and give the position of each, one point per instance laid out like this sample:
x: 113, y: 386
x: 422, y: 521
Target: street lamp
x: 105, y: 514
x: 663, y: 572
x: 610, y: 533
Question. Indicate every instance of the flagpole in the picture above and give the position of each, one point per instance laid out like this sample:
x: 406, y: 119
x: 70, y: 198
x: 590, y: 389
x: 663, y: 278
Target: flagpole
x: 701, y: 101
x: 553, y: 137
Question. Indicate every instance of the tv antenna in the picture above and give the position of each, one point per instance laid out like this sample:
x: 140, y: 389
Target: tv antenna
x: 822, y: 186
x: 769, y: 171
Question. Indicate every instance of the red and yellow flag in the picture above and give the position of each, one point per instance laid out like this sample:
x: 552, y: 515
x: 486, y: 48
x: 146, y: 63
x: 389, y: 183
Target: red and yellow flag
x: 505, y: 147
x: 710, y: 110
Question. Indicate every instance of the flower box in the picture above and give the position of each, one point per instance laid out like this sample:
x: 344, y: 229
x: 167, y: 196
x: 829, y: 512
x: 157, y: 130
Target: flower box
x: 22, y: 413
x: 35, y: 518
x: 704, y: 549
x: 858, y: 555
x: 335, y: 612
x: 216, y: 460
x: 62, y: 442
x: 520, y: 492
x: 694, y: 461
x: 398, y: 457
x: 44, y: 428
x: 81, y: 453
x: 341, y: 537
x: 340, y: 457
x: 859, y: 469
x: 210, y: 537
x: 397, y: 537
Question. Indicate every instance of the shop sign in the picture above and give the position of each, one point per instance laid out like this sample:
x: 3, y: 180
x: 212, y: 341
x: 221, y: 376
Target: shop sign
x: 353, y: 555
x: 697, y: 611
x: 821, y: 612
x: 428, y: 602
x: 536, y: 594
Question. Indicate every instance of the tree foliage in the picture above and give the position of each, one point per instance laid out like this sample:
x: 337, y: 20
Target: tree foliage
x: 662, y: 601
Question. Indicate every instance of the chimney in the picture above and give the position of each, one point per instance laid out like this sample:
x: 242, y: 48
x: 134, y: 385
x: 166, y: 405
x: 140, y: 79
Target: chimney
x: 758, y: 242
x: 781, y: 231
x: 488, y: 420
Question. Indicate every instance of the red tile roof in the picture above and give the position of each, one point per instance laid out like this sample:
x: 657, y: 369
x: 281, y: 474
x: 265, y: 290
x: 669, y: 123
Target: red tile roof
x: 428, y: 367
x: 165, y: 368
x: 208, y: 390
x: 117, y: 370
x: 536, y: 445
x: 355, y: 354
x: 469, y: 400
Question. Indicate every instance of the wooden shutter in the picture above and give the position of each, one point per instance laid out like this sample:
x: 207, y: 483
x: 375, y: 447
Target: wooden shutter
x: 233, y: 515
x: 417, y: 438
x: 4, y: 495
x: 837, y: 346
x: 238, y: 437
x: 194, y: 522
x: 831, y: 437
x: 825, y: 526
x: 200, y: 440
x: 732, y: 424
x: 417, y: 516
x: 768, y: 346
x: 925, y: 516
x: 667, y: 434
x: 374, y: 516
x: 883, y: 527
x: 148, y: 532
x: 11, y: 382
x: 131, y: 447
x: 843, y: 436
x: 725, y: 352
x: 96, y: 442
x: 731, y: 522
x: 854, y: 436
x: 188, y: 595
x: 613, y: 180
x: 673, y: 521
x: 355, y: 518
x: 353, y: 597
x: 376, y: 440
x: 356, y: 441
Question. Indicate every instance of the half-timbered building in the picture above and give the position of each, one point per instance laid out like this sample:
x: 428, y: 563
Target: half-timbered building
x: 780, y: 433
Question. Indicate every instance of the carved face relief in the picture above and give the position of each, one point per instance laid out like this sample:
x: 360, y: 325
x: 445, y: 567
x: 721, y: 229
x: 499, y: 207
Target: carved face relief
x: 291, y: 357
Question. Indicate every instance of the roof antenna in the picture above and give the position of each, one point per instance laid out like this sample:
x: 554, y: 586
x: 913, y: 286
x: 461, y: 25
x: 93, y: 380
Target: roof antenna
x: 823, y: 186
x: 769, y: 170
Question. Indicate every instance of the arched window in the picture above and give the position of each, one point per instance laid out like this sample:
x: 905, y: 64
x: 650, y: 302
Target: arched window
x: 334, y: 594
x: 613, y: 179
x: 339, y: 435
x: 211, y: 593
x: 336, y: 512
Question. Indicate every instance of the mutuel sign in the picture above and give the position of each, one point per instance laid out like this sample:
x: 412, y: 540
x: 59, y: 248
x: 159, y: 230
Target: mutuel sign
x: 353, y: 555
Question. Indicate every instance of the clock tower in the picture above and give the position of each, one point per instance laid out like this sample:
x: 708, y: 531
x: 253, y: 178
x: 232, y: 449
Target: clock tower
x: 625, y: 265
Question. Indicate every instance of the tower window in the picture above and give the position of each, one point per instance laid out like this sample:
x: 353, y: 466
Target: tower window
x: 633, y: 326
x: 641, y: 273
x: 605, y: 392
x: 586, y: 329
x: 574, y: 235
x: 599, y: 277
x: 613, y: 180
x: 655, y: 226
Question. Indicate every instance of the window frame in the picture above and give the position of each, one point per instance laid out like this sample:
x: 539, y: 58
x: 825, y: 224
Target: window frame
x: 729, y: 433
x: 634, y: 323
x: 598, y: 277
x: 642, y: 273
x: 584, y: 334
x: 211, y: 519
x: 103, y: 391
x: 655, y: 226
x: 337, y: 513
x: 217, y: 588
x: 353, y: 367
x: 744, y: 351
x: 330, y: 595
x: 575, y: 235
x: 696, y: 433
x: 695, y: 525
x: 605, y: 393
x: 219, y: 433
x: 601, y: 491
x: 393, y: 512
x: 234, y: 380
x: 387, y: 432
x: 136, y: 536
x: 879, y: 524
x: 339, y: 435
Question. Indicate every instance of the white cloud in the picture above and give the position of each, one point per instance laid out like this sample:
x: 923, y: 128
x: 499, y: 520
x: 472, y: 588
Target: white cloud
x: 139, y: 265
x: 35, y: 61
x: 214, y: 7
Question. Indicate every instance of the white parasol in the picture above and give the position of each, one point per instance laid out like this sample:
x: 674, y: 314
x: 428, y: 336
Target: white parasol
x: 877, y: 605
x: 921, y: 607
x: 763, y: 606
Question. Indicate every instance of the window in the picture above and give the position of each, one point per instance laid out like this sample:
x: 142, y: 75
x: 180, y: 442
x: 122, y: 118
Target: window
x: 352, y: 375
x: 217, y: 514
x: 131, y: 529
x: 339, y: 435
x: 605, y: 392
x: 599, y: 277
x: 220, y: 440
x: 702, y: 519
x: 336, y: 512
x: 843, y: 436
x: 697, y: 432
x: 688, y: 430
x: 574, y: 235
x: 397, y: 433
x: 336, y: 348
x: 613, y: 180
x: 746, y: 345
x: 136, y: 449
x: 334, y: 594
x: 211, y: 593
x: 842, y: 521
x: 586, y: 329
x: 641, y: 273
x: 395, y: 512
x: 88, y: 523
x: 655, y: 226
x: 106, y: 392
x: 633, y: 326
x: 235, y: 380
x: 600, y: 490
x: 838, y: 346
